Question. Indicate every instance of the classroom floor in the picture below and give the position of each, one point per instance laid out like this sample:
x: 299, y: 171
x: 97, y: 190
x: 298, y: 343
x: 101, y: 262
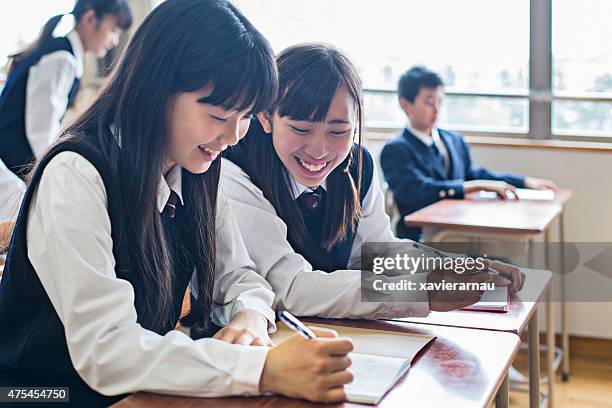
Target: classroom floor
x: 590, y: 384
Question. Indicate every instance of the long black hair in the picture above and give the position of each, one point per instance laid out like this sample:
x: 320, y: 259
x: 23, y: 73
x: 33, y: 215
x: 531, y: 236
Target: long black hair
x: 182, y: 46
x: 120, y: 9
x: 309, y: 76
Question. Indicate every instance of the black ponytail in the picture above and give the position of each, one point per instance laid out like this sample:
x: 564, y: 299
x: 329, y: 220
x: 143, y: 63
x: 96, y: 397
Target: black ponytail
x: 120, y: 9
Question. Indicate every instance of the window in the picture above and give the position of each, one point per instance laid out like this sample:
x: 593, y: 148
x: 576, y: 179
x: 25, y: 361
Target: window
x: 21, y: 25
x: 582, y: 68
x: 481, y: 52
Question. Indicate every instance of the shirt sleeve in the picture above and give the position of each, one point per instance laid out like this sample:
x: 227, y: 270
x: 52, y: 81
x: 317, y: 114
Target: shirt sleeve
x: 47, y: 91
x: 12, y: 190
x: 298, y: 288
x: 237, y: 285
x: 70, y: 247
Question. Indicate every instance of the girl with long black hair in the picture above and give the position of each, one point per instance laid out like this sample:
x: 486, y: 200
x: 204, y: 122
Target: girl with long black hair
x: 306, y: 194
x: 122, y: 215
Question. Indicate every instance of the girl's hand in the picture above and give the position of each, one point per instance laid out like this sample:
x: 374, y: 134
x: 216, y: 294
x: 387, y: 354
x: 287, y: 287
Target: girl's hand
x: 312, y: 369
x: 248, y: 327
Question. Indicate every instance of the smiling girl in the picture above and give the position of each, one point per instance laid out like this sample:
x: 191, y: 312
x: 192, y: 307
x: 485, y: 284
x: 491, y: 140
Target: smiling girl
x: 122, y: 215
x: 307, y: 196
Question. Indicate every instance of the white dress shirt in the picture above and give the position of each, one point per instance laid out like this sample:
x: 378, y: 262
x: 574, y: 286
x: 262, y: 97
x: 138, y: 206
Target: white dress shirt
x: 430, y: 140
x: 12, y: 190
x: 47, y: 90
x: 298, y: 288
x: 70, y: 247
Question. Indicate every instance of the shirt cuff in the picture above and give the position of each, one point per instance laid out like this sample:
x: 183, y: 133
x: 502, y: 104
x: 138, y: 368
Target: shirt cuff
x: 249, y: 367
x: 452, y: 190
x: 256, y: 304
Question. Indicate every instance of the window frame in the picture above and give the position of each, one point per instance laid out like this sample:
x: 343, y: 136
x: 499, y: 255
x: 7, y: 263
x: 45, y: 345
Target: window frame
x: 540, y: 96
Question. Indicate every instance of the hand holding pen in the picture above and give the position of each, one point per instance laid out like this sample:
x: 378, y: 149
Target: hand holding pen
x: 311, y: 366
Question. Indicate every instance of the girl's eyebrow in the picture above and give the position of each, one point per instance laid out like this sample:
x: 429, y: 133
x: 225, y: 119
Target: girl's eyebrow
x: 338, y: 121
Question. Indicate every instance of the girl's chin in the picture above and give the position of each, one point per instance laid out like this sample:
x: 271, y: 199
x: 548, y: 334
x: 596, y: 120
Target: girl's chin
x: 199, y: 168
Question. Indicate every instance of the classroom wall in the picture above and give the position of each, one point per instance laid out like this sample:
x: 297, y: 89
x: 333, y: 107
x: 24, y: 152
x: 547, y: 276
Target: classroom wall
x: 588, y: 216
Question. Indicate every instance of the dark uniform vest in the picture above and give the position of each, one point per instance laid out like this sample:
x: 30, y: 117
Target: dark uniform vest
x: 15, y: 150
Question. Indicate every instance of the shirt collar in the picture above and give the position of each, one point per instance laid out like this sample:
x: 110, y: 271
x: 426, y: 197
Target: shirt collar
x: 78, y: 50
x: 173, y: 181
x: 424, y: 137
x: 297, y: 188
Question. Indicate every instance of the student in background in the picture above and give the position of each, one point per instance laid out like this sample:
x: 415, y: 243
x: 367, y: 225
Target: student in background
x: 12, y: 190
x: 122, y: 214
x: 307, y: 195
x: 424, y: 164
x: 43, y: 80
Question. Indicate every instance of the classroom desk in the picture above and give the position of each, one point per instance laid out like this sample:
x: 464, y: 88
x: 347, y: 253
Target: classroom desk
x: 520, y: 220
x: 520, y: 314
x: 461, y: 368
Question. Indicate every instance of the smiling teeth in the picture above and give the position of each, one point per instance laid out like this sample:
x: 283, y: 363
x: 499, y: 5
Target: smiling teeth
x: 312, y: 167
x: 210, y: 151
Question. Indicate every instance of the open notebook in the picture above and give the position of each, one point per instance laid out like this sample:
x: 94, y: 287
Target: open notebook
x: 524, y: 194
x: 492, y: 301
x: 379, y: 359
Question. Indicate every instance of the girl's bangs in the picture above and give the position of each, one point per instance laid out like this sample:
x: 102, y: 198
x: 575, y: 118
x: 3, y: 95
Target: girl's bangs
x: 310, y: 95
x: 246, y: 83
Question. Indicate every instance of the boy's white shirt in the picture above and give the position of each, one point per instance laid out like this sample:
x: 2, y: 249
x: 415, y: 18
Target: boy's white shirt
x: 298, y: 288
x: 70, y: 247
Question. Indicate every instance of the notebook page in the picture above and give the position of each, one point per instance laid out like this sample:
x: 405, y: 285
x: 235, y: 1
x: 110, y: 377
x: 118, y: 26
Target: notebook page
x: 492, y: 300
x: 373, y: 377
x: 368, y: 341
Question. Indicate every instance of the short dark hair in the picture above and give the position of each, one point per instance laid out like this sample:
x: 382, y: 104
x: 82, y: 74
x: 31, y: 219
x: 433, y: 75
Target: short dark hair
x: 416, y: 78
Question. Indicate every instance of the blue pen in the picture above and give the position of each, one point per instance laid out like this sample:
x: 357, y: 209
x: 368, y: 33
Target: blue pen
x: 294, y: 324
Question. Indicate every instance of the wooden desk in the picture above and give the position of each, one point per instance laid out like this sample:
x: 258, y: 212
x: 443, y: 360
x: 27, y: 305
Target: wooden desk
x: 461, y: 368
x: 522, y: 220
x: 514, y: 321
x: 520, y: 314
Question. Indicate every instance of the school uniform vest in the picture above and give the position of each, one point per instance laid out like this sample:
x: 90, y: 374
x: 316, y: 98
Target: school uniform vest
x: 33, y: 350
x: 15, y: 150
x: 313, y: 250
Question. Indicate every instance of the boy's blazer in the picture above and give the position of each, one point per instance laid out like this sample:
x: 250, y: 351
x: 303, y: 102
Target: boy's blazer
x: 418, y: 180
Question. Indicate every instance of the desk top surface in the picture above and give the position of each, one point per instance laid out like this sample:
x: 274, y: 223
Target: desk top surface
x: 520, y: 309
x: 491, y: 215
x: 460, y: 368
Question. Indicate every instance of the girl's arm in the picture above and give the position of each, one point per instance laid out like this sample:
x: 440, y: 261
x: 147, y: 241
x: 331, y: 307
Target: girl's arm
x: 70, y: 247
x: 12, y: 190
x: 237, y: 285
x: 49, y: 83
x: 298, y: 288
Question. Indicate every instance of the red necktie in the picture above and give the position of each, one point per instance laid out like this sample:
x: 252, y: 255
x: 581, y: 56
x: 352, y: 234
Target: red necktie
x: 170, y: 208
x: 311, y: 198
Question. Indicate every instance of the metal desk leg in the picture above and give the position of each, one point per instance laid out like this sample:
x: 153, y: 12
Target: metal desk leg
x: 550, y: 328
x: 564, y: 320
x: 534, y: 361
x: 550, y: 347
x: 501, y: 398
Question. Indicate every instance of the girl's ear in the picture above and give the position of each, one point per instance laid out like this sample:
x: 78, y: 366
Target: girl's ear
x: 89, y: 19
x: 266, y: 122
